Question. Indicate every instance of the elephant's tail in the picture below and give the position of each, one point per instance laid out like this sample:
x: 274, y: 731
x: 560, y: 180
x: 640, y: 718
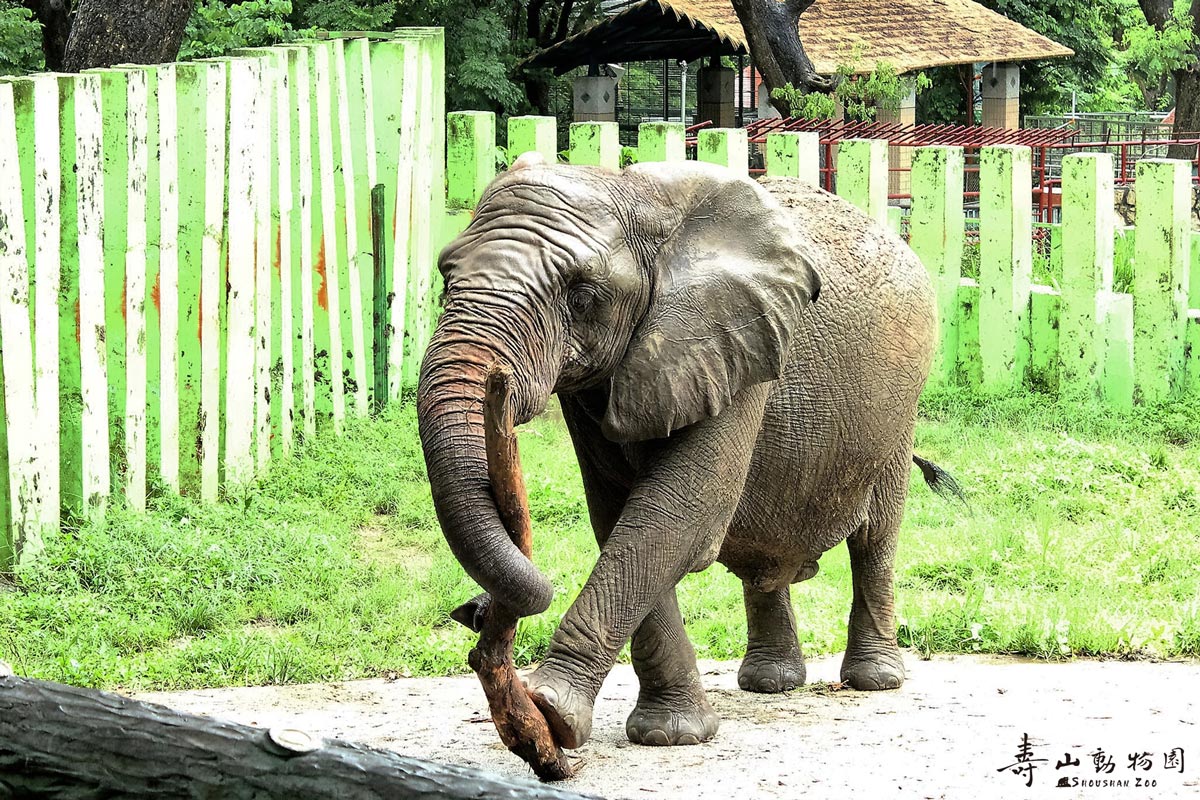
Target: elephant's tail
x: 941, y: 482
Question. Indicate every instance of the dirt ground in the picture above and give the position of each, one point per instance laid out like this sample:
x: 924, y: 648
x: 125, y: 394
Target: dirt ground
x: 949, y: 732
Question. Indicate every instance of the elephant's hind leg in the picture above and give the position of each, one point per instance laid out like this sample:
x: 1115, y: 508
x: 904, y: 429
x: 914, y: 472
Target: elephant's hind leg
x: 671, y: 707
x: 873, y: 659
x: 773, y: 661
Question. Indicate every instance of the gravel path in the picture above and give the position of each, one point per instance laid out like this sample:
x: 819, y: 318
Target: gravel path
x: 949, y: 732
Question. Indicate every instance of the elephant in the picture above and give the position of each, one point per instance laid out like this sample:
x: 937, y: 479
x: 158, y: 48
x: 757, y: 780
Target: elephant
x: 738, y: 364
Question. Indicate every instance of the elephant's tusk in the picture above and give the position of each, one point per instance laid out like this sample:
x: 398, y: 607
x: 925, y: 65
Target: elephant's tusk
x: 521, y: 726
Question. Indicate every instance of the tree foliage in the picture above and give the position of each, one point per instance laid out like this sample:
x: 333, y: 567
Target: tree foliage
x: 860, y: 95
x: 20, y: 40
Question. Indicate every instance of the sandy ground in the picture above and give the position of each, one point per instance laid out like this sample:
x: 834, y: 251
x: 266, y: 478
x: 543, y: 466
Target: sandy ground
x: 950, y: 732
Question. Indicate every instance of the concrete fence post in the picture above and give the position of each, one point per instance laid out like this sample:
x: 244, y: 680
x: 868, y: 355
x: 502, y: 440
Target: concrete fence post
x: 1088, y: 230
x: 935, y: 227
x: 470, y: 157
x: 595, y: 144
x: 727, y: 147
x: 1006, y: 265
x: 1160, y: 277
x: 661, y: 141
x: 795, y: 154
x: 533, y: 134
x: 862, y: 176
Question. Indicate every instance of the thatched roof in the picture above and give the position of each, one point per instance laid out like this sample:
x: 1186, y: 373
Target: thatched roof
x: 908, y: 34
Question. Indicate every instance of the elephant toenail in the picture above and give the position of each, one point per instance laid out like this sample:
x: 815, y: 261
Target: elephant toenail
x: 688, y: 738
x: 769, y: 684
x: 658, y: 738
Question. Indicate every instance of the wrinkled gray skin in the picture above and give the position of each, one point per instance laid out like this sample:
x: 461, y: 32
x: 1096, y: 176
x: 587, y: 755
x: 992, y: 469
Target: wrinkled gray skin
x: 717, y: 413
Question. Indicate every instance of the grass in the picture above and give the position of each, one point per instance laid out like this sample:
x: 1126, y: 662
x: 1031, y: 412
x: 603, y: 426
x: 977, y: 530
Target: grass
x: 1081, y: 540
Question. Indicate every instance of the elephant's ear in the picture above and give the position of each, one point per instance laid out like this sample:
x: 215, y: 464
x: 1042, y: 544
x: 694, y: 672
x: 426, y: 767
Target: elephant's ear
x: 730, y: 276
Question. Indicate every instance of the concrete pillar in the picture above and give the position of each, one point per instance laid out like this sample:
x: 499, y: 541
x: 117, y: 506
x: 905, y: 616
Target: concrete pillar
x: 900, y: 158
x: 715, y: 96
x: 1002, y: 96
x: 595, y: 98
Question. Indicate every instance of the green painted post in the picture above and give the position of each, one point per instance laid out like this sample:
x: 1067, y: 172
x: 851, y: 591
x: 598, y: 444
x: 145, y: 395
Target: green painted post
x: 428, y: 193
x: 795, y: 154
x: 661, y: 141
x: 1088, y: 230
x: 862, y: 175
x: 533, y: 134
x: 470, y: 157
x: 8, y: 552
x: 727, y: 147
x: 69, y: 379
x: 152, y: 244
x: 1116, y: 376
x: 113, y: 102
x: 1006, y: 265
x: 1193, y: 351
x: 394, y: 66
x: 1044, y: 314
x: 1160, y: 277
x: 595, y: 144
x: 1194, y: 271
x: 935, y: 228
x: 967, y: 359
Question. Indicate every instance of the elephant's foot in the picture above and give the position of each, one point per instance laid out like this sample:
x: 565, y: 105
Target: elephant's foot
x: 664, y: 722
x: 883, y: 668
x: 769, y: 671
x: 568, y: 710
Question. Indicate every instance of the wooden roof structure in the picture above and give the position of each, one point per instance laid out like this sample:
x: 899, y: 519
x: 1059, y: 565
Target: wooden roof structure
x: 907, y: 34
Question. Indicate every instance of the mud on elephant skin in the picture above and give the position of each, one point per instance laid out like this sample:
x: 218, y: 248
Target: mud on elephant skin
x: 738, y: 365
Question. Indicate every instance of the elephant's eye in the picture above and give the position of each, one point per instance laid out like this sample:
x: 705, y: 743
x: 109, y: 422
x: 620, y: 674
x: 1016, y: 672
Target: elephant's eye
x: 581, y: 297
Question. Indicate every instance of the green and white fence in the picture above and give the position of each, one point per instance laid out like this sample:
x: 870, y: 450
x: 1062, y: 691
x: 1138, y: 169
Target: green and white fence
x: 1002, y: 331
x: 187, y: 274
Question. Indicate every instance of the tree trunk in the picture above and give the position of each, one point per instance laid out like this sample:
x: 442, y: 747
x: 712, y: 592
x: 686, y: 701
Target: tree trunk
x: 64, y: 742
x: 1187, y: 99
x: 772, y: 31
x: 107, y: 32
x: 56, y: 27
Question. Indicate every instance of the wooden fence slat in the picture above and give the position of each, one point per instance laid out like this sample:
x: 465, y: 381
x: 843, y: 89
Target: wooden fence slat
x: 1160, y: 277
x: 23, y: 450
x: 212, y: 285
x: 394, y: 65
x: 350, y: 254
x: 936, y: 230
x: 244, y: 109
x: 1006, y: 265
x: 93, y: 352
x: 70, y: 392
x: 428, y: 197
x: 114, y: 89
x: 138, y: 159
x: 283, y: 393
x: 361, y: 135
x: 300, y: 67
x: 166, y: 291
x: 328, y: 324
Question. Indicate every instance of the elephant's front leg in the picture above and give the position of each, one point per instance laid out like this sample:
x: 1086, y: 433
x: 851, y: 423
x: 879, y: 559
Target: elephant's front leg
x: 682, y: 500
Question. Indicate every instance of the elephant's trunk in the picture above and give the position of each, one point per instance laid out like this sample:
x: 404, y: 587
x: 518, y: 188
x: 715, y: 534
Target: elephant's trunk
x: 450, y: 412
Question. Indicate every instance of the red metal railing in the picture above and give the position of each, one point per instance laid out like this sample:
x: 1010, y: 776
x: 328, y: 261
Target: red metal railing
x: 1048, y: 144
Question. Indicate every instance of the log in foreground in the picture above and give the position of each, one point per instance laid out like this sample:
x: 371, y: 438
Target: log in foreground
x: 521, y: 726
x: 65, y: 742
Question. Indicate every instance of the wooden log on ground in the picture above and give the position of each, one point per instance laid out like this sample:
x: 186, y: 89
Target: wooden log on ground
x: 65, y: 742
x: 521, y: 726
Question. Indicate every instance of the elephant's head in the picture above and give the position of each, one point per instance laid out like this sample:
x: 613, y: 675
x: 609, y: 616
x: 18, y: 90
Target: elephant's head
x: 674, y: 286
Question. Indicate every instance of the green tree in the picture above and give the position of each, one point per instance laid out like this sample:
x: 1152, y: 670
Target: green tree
x: 20, y: 40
